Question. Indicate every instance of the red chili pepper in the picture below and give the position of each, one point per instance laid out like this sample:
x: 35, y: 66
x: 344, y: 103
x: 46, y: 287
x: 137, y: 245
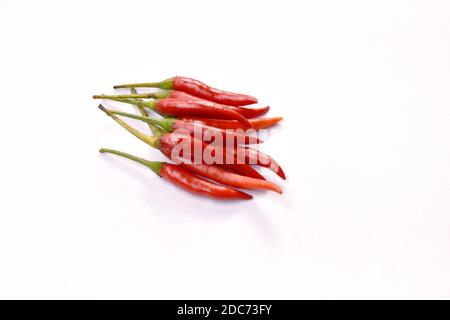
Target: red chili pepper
x: 249, y: 113
x: 198, y: 89
x: 173, y: 124
x: 245, y: 170
x: 183, y: 178
x: 249, y: 156
x: 241, y: 169
x: 262, y: 159
x: 168, y: 141
x: 246, y: 155
x: 246, y: 112
x: 226, y: 177
x: 261, y: 123
x: 179, y: 107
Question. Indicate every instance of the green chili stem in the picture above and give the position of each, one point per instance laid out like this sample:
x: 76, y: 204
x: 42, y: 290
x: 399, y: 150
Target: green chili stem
x: 155, y: 166
x: 152, y: 141
x: 141, y: 109
x: 166, y: 84
x: 151, y: 104
x: 155, y: 130
x: 166, y: 124
x: 154, y: 95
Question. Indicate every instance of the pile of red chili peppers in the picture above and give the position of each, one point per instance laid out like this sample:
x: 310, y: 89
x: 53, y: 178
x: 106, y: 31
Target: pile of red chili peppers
x: 204, y: 131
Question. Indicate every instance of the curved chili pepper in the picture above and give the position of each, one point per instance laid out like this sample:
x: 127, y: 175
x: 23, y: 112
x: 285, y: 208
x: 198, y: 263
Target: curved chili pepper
x: 245, y: 170
x: 198, y: 89
x: 263, y: 160
x: 224, y: 176
x: 166, y: 142
x: 245, y: 154
x: 261, y: 123
x: 172, y: 124
x: 183, y: 178
x: 251, y: 113
x: 179, y: 107
x: 246, y: 112
x: 170, y: 141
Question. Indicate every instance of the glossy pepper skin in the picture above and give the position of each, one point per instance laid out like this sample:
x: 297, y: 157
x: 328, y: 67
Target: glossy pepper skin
x: 168, y: 141
x: 180, y: 107
x: 248, y: 155
x: 249, y: 113
x: 263, y: 160
x: 222, y: 177
x: 261, y: 123
x: 226, y: 135
x: 185, y: 179
x: 198, y: 89
x: 226, y: 177
x: 241, y: 157
x: 173, y: 124
x: 245, y: 170
x: 246, y: 112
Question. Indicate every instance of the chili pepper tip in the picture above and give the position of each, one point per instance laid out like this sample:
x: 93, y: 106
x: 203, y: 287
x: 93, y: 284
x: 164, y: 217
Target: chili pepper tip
x: 280, y: 173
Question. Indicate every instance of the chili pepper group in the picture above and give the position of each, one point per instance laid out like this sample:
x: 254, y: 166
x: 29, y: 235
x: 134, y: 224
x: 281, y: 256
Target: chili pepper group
x: 205, y: 131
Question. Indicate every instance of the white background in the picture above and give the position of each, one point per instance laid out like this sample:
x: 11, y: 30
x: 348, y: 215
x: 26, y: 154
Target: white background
x: 364, y: 89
